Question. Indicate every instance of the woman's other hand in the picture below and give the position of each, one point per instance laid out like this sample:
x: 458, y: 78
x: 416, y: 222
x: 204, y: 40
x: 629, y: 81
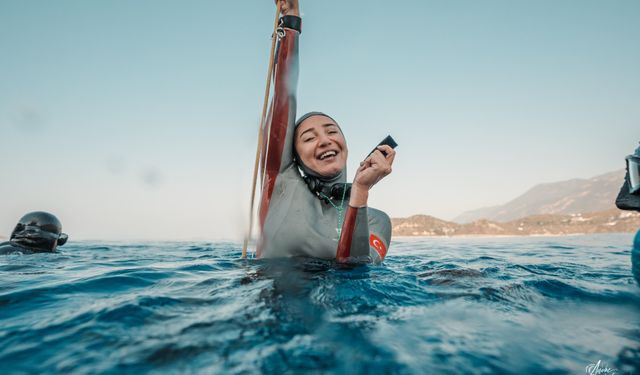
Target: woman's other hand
x: 288, y: 7
x: 373, y: 169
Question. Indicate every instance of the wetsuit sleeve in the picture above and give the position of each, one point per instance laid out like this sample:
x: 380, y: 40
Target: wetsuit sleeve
x: 278, y: 151
x: 277, y: 138
x: 365, y: 235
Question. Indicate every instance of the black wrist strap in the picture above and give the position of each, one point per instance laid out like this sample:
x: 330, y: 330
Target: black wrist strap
x: 291, y: 22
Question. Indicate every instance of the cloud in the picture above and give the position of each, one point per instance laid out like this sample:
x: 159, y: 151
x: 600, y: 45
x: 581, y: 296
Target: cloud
x: 151, y: 177
x: 30, y: 119
x: 116, y: 165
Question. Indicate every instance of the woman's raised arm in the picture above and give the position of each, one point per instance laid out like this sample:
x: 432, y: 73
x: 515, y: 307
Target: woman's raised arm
x: 277, y: 147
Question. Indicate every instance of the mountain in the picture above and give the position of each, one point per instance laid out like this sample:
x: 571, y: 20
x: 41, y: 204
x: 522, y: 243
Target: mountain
x: 558, y: 198
x: 607, y: 221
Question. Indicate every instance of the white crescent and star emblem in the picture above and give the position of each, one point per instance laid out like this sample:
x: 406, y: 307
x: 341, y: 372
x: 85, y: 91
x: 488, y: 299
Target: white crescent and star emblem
x: 376, y: 243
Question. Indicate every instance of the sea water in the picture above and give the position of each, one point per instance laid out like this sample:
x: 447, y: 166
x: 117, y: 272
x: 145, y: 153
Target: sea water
x: 519, y: 305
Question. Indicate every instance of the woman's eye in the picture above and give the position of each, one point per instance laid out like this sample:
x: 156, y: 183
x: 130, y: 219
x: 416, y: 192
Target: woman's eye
x: 307, y: 139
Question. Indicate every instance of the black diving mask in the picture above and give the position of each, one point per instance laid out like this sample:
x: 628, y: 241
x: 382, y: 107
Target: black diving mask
x: 35, y: 236
x: 340, y: 191
x: 327, y: 191
x: 633, y: 166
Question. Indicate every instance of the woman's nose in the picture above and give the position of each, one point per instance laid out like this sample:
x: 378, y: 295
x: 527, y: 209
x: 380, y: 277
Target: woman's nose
x: 324, y: 140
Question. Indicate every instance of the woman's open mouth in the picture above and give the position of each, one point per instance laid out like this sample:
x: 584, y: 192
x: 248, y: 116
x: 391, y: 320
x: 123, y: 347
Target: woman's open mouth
x: 328, y: 155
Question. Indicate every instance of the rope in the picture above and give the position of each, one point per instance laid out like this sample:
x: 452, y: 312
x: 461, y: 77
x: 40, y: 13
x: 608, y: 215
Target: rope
x: 260, y: 130
x: 340, y: 210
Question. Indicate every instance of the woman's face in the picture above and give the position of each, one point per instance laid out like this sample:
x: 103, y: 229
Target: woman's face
x: 321, y: 145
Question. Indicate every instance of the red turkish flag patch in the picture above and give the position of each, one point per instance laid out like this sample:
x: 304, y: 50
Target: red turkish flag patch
x: 377, y: 244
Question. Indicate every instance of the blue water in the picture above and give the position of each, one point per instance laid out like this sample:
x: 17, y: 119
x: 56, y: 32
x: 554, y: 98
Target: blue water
x: 436, y: 306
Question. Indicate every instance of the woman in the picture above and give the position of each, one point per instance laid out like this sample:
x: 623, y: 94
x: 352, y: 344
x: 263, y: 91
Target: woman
x: 306, y: 208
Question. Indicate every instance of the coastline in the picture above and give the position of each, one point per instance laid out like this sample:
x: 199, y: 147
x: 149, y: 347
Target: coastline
x: 419, y: 237
x: 609, y: 221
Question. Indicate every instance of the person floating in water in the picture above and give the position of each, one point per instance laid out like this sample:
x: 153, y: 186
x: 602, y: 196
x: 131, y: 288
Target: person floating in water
x: 36, y: 232
x: 629, y: 199
x: 307, y: 207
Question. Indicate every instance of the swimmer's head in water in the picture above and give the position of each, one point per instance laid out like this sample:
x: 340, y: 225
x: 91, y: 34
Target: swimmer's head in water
x: 40, y: 231
x: 319, y: 145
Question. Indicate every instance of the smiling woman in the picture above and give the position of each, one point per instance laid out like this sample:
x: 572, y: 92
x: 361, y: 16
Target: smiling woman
x: 307, y: 207
x: 320, y: 144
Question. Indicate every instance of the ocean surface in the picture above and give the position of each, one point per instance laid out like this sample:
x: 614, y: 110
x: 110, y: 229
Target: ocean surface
x: 536, y: 305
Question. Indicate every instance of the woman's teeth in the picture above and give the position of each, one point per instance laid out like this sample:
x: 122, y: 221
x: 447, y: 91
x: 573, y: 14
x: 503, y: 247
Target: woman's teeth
x: 327, y: 154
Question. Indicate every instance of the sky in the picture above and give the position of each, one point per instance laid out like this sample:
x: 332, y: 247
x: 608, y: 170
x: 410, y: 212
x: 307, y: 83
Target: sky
x: 138, y: 120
